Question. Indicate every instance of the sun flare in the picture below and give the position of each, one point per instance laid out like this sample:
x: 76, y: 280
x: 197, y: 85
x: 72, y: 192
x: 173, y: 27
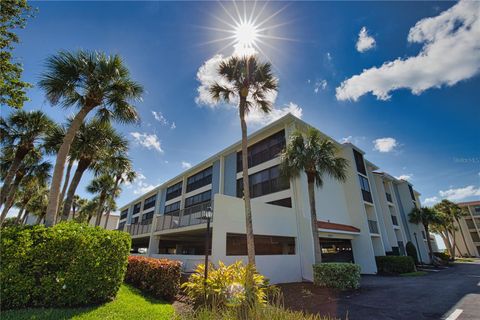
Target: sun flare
x: 246, y: 35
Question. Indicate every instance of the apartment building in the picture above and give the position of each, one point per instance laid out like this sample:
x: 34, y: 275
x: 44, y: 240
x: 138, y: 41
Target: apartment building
x: 363, y: 217
x: 470, y: 227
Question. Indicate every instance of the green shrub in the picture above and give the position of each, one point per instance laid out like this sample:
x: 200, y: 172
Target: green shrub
x: 158, y: 277
x: 69, y: 264
x: 442, y: 255
x: 227, y: 286
x: 337, y: 275
x: 395, y: 264
x: 411, y: 251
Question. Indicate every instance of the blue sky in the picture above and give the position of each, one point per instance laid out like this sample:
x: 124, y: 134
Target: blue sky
x: 431, y: 136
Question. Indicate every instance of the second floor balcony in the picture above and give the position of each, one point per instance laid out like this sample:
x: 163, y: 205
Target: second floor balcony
x: 190, y: 216
x: 140, y: 228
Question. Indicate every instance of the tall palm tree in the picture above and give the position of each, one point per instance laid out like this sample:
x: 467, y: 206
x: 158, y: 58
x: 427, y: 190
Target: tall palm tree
x: 426, y: 216
x: 317, y: 157
x: 32, y: 167
x: 247, y: 82
x: 19, y: 135
x: 102, y: 185
x: 95, y: 141
x: 90, y: 81
x: 450, y: 213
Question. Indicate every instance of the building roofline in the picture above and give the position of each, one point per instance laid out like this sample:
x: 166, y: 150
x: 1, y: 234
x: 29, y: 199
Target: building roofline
x: 469, y: 203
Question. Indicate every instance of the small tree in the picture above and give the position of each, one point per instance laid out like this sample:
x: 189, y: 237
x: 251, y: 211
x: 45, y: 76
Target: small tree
x: 426, y: 216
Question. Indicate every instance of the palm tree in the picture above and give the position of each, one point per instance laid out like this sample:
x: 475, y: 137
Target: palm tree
x: 28, y: 187
x: 102, y: 185
x: 86, y: 212
x: 38, y: 205
x: 90, y: 81
x: 94, y: 142
x: 248, y: 82
x: 77, y: 203
x: 450, y: 213
x: 317, y: 157
x: 19, y: 134
x: 426, y: 216
x: 32, y: 167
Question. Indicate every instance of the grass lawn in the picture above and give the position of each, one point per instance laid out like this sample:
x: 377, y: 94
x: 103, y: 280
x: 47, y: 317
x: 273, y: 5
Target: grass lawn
x: 414, y: 274
x: 129, y: 304
x: 464, y: 260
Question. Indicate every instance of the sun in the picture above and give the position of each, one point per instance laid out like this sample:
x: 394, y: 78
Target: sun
x: 246, y: 35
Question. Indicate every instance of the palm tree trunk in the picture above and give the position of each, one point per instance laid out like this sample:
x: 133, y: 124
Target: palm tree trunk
x: 453, y: 245
x: 17, y: 161
x: 463, y: 237
x: 101, y: 201
x: 117, y: 181
x: 20, y: 214
x: 246, y: 186
x: 25, y: 216
x: 106, y: 219
x: 39, y: 219
x: 62, y: 155
x: 429, y: 243
x: 313, y: 218
x: 65, y: 184
x: 446, y: 240
x: 67, y: 205
x: 11, y: 196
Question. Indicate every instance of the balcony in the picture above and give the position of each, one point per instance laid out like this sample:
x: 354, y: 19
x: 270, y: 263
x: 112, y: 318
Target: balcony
x: 373, y: 226
x: 394, y: 220
x: 190, y: 216
x: 140, y: 228
x: 389, y: 197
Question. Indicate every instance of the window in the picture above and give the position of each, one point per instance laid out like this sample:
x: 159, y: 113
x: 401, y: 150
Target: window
x: 470, y: 223
x: 124, y: 214
x: 359, y: 162
x: 147, y: 217
x: 174, y: 191
x: 134, y: 220
x: 336, y: 250
x: 121, y: 225
x: 412, y: 194
x: 264, y: 182
x: 367, y: 196
x: 199, y: 180
x: 263, y: 151
x: 287, y: 202
x: 172, y: 207
x: 475, y: 237
x: 264, y: 245
x: 149, y: 202
x: 198, y: 198
x: 476, y: 211
x: 136, y: 208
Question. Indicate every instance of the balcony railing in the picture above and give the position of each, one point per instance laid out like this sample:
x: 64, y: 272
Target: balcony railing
x: 373, y: 226
x: 389, y: 197
x: 394, y: 220
x: 183, y: 218
x: 140, y: 228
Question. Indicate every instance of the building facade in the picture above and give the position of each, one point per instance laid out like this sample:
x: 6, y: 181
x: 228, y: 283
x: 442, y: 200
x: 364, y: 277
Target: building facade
x: 358, y: 219
x: 467, y: 238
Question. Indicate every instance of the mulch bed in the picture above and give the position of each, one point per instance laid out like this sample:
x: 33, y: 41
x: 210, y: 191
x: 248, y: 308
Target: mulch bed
x: 311, y: 299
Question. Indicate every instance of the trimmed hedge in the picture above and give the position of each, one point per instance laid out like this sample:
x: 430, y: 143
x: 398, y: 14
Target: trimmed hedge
x: 69, y: 264
x: 395, y: 264
x: 337, y: 275
x: 158, y: 277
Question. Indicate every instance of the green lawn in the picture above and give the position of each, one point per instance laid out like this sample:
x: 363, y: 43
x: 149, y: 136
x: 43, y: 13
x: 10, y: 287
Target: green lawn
x: 129, y: 304
x: 414, y: 274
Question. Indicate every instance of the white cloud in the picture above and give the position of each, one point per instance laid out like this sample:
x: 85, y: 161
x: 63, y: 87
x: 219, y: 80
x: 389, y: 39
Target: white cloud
x: 346, y: 139
x: 186, y: 165
x: 149, y: 141
x: 450, y: 54
x: 322, y: 84
x: 459, y: 193
x: 406, y: 177
x: 257, y: 117
x: 173, y: 125
x: 163, y: 121
x: 139, y: 185
x: 385, y: 144
x: 431, y: 200
x: 351, y: 139
x: 365, y: 41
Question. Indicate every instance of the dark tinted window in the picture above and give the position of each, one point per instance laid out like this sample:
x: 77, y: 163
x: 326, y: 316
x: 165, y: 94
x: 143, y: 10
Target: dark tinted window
x: 147, y: 217
x: 264, y: 182
x: 264, y: 150
x: 411, y: 192
x: 475, y: 237
x: 198, y: 198
x: 287, y: 202
x: 264, y: 245
x: 121, y: 225
x: 136, y: 208
x: 149, y: 202
x: 124, y: 214
x: 172, y: 207
x: 367, y: 196
x: 134, y: 220
x: 359, y: 162
x: 199, y: 180
x: 174, y: 191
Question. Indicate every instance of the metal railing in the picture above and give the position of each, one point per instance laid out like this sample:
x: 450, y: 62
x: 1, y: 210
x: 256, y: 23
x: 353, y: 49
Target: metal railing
x: 389, y: 197
x: 140, y: 228
x: 373, y: 226
x: 394, y: 220
x: 183, y: 218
